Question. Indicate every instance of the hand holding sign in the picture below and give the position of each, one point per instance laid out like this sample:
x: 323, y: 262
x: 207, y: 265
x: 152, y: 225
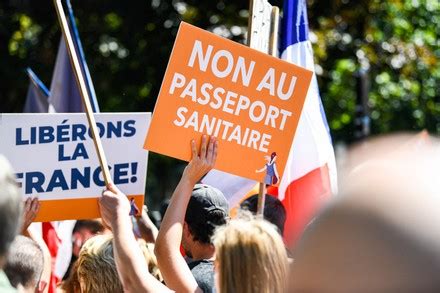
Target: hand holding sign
x: 113, y: 205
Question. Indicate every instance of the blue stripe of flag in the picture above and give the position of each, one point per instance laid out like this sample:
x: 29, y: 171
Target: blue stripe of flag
x: 37, y: 82
x: 83, y: 63
x: 295, y: 29
x: 294, y: 26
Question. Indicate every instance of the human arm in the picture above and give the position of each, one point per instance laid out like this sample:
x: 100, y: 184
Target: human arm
x: 172, y: 265
x: 30, y: 211
x: 132, y: 269
x: 276, y: 172
x: 261, y: 170
x: 148, y: 231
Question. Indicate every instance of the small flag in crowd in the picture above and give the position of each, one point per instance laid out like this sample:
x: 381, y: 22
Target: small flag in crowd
x: 64, y: 91
x: 65, y: 96
x: 37, y: 95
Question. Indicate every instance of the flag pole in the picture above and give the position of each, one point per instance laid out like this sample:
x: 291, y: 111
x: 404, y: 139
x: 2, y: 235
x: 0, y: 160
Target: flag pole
x: 274, y: 25
x: 273, y: 50
x: 84, y: 68
x: 262, y: 186
x: 83, y: 91
x: 261, y: 199
x: 250, y: 20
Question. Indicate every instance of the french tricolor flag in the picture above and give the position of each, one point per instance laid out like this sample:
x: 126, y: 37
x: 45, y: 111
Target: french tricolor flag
x: 310, y: 175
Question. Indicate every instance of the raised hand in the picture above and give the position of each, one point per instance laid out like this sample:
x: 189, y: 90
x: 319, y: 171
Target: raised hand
x: 30, y: 211
x: 113, y: 205
x: 202, y: 161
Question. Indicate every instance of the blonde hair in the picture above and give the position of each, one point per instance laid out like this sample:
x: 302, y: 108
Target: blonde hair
x: 71, y: 284
x: 251, y: 257
x: 150, y: 258
x: 96, y: 268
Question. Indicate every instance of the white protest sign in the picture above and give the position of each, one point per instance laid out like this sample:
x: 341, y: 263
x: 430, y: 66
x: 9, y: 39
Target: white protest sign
x: 54, y: 158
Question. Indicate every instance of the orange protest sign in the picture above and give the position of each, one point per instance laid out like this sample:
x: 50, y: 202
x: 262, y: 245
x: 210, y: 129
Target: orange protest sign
x: 249, y: 100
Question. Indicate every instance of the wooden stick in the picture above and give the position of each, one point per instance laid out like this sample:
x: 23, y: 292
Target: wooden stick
x: 274, y: 24
x: 262, y: 186
x: 250, y: 20
x: 83, y: 90
x: 273, y: 50
x: 261, y: 199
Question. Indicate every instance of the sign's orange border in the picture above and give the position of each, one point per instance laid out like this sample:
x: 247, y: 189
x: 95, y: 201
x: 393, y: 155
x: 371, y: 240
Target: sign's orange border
x: 75, y: 209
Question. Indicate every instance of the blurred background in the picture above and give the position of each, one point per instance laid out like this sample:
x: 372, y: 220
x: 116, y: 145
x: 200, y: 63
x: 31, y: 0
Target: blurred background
x: 376, y: 61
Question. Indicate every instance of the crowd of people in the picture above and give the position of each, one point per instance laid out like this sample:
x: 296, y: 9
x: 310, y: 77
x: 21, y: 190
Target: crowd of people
x: 381, y: 234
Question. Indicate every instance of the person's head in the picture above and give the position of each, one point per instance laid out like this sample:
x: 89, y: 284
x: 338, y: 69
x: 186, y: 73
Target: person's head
x: 270, y: 159
x: 382, y: 232
x: 10, y: 208
x: 274, y: 211
x: 207, y: 209
x: 84, y: 230
x: 96, y: 268
x: 71, y: 283
x: 24, y: 264
x: 250, y: 257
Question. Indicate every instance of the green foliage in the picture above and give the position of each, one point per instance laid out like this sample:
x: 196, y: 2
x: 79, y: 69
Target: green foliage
x: 397, y: 42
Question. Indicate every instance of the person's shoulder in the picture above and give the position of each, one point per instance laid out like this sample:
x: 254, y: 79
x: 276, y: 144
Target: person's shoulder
x: 203, y: 272
x: 202, y: 264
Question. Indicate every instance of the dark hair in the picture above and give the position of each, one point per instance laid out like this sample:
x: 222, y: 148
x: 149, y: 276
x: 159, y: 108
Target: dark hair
x: 10, y: 206
x: 94, y: 226
x: 274, y: 211
x: 25, y: 262
x: 203, y: 229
